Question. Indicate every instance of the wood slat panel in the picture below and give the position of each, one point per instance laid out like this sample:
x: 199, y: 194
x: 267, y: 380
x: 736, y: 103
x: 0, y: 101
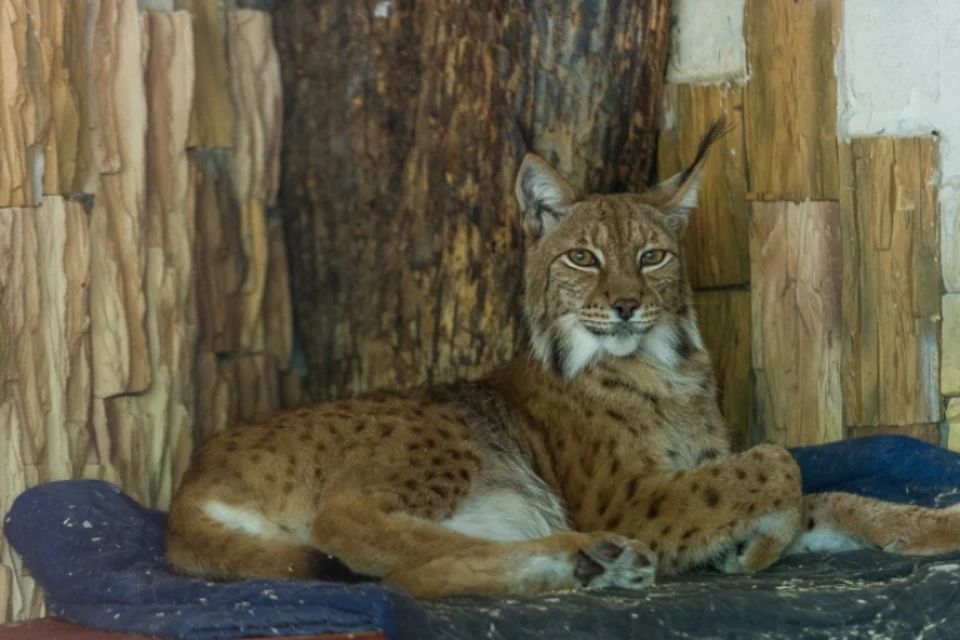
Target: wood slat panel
x: 117, y: 300
x: 891, y: 282
x: 63, y: 269
x: 45, y: 377
x: 790, y: 100
x: 926, y: 432
x: 221, y: 263
x: 277, y: 306
x: 23, y: 108
x: 171, y: 302
x: 717, y: 251
x: 256, y: 248
x: 950, y: 240
x: 724, y: 318
x: 159, y: 420
x: 20, y: 595
x: 795, y: 300
x: 254, y: 379
x: 953, y: 424
x: 233, y: 389
x: 45, y: 355
x: 98, y: 296
x: 25, y: 364
x: 215, y: 402
x: 68, y: 154
x: 257, y: 95
x: 950, y: 367
x: 254, y: 162
x: 211, y: 122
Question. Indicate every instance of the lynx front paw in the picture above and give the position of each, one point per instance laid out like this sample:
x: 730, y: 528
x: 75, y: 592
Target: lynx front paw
x: 755, y: 554
x: 614, y: 562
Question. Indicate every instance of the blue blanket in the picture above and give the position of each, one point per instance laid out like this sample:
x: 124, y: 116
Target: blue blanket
x: 99, y: 555
x: 894, y: 468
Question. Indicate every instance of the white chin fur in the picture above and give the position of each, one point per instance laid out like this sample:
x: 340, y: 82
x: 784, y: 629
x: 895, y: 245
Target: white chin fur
x: 620, y: 346
x: 576, y: 347
x: 580, y: 346
x: 660, y: 343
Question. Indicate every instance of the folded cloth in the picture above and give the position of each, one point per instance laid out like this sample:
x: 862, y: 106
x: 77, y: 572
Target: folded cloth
x: 99, y: 555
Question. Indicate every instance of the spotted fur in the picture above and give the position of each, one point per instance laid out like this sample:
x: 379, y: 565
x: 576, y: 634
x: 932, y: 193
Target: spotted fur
x: 597, y: 458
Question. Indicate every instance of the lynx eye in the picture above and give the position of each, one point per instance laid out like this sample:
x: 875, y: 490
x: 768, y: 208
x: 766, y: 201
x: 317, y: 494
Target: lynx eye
x: 582, y: 258
x: 652, y: 258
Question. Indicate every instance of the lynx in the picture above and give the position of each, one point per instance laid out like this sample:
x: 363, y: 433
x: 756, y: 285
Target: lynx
x: 597, y: 458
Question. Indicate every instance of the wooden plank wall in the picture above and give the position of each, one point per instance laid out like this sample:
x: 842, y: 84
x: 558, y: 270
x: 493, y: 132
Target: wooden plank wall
x: 835, y: 244
x: 144, y: 298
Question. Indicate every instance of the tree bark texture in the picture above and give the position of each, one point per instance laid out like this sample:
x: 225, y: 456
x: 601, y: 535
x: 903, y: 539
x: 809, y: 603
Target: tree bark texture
x: 405, y: 124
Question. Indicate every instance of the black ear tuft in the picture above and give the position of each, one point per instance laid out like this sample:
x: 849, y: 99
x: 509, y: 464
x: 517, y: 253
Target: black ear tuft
x: 676, y: 196
x: 524, y: 134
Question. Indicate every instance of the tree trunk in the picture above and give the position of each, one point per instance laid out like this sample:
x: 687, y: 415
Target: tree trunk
x: 405, y: 124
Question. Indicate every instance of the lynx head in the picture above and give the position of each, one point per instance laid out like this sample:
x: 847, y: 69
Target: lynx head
x: 604, y: 274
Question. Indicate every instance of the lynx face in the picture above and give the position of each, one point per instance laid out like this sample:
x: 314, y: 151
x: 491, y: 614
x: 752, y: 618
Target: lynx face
x: 608, y: 279
x: 605, y: 274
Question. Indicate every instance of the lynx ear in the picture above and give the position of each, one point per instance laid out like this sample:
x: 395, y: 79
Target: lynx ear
x: 676, y: 196
x: 544, y: 196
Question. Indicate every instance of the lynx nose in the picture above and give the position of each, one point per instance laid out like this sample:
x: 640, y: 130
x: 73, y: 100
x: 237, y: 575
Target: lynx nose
x: 625, y: 307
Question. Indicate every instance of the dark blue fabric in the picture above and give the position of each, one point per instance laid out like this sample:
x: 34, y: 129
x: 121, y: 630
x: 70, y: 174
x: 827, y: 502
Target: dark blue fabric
x: 99, y: 555
x: 894, y: 468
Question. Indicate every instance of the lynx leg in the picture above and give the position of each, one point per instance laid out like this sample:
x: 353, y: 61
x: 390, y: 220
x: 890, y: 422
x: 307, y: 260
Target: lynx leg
x: 201, y: 545
x: 431, y: 561
x: 840, y: 521
x: 560, y: 562
x: 740, y: 513
x: 364, y: 530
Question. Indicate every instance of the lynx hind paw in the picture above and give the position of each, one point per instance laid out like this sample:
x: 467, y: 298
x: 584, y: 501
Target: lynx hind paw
x: 614, y: 562
x: 756, y: 553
